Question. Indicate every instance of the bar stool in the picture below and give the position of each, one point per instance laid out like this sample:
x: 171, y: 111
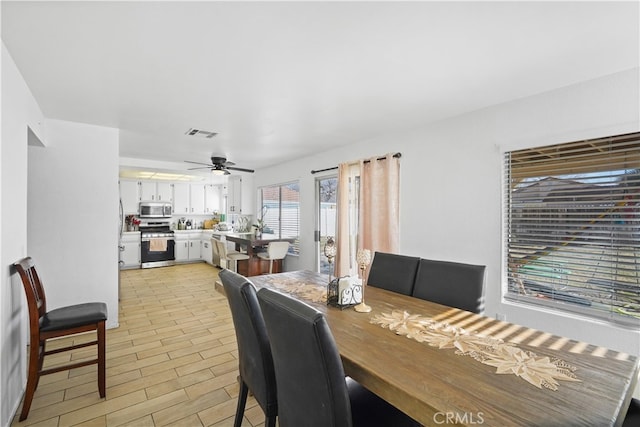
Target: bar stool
x: 275, y: 250
x: 229, y: 256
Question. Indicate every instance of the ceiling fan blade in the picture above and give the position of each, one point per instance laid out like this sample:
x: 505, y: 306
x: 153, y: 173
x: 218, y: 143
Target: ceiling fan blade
x: 204, y: 167
x: 241, y: 170
x: 228, y: 163
x: 198, y: 163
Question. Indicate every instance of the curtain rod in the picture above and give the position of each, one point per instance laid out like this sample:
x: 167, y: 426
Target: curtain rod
x: 396, y: 155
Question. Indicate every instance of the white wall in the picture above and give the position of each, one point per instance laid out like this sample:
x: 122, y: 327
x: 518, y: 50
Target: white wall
x: 451, y: 183
x: 19, y: 112
x: 73, y: 214
x: 59, y: 204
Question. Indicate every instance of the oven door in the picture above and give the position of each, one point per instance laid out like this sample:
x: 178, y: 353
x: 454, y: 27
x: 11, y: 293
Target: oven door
x: 157, y: 251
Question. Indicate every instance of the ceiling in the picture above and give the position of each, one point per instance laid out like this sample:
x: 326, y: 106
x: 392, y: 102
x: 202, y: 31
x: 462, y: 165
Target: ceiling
x: 279, y: 81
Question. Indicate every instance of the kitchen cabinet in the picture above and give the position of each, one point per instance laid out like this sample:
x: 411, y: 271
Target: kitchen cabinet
x: 130, y: 196
x: 206, y: 250
x: 234, y: 195
x: 181, y: 204
x: 196, y: 200
x: 156, y: 191
x: 212, y: 195
x: 187, y: 247
x: 130, y: 250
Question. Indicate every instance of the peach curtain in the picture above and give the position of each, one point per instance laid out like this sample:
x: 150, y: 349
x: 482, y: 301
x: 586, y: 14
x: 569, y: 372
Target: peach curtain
x: 376, y: 205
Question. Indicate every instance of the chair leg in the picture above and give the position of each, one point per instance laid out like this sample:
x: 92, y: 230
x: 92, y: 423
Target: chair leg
x: 101, y: 359
x: 242, y: 401
x: 36, y: 356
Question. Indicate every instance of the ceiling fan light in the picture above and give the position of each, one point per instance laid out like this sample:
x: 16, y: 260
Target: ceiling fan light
x: 219, y: 172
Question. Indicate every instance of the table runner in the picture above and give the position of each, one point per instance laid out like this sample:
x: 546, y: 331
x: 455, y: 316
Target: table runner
x: 507, y: 358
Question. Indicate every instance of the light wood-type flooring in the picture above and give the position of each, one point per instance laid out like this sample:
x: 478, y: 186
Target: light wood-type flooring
x: 172, y: 360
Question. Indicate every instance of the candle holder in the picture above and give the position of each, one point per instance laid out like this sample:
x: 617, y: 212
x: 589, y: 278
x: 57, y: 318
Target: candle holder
x: 363, y: 258
x: 330, y: 250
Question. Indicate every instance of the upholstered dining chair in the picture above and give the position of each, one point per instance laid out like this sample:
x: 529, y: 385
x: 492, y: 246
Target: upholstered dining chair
x: 229, y: 257
x: 60, y: 322
x: 632, y: 419
x: 312, y: 388
x: 393, y: 272
x: 275, y: 251
x: 450, y: 283
x: 254, y: 350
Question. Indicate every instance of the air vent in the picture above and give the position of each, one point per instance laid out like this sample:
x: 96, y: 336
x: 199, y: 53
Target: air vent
x: 200, y: 133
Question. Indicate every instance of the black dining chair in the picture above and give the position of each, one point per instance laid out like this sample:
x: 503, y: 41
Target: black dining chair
x: 393, y: 272
x: 59, y: 322
x: 451, y: 283
x: 632, y: 419
x: 312, y: 388
x: 254, y: 351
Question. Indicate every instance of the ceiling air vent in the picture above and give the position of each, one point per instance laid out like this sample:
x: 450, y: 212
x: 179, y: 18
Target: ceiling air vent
x: 200, y: 133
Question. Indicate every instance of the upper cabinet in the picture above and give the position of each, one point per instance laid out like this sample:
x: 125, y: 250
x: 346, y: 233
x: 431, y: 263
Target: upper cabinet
x: 239, y: 195
x: 130, y: 196
x: 152, y: 191
x: 197, y: 199
x: 212, y: 198
x: 181, y: 204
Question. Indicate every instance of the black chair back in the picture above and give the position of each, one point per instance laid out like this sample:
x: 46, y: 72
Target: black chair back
x: 254, y: 350
x: 393, y: 272
x: 312, y: 390
x: 450, y: 283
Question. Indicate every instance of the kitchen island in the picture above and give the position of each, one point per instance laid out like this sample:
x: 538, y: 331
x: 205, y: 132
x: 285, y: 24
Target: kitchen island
x: 252, y: 244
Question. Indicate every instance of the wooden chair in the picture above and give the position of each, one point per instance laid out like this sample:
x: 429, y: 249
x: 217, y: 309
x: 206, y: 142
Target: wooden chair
x: 56, y: 323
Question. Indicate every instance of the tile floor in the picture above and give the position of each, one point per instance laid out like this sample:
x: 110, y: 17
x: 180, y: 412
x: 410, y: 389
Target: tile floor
x: 171, y: 361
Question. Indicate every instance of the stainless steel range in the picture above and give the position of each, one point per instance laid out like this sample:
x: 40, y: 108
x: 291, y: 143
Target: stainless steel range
x: 157, y: 244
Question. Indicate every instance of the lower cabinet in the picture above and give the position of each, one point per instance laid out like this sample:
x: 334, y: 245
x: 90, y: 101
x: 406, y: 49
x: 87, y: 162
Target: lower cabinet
x: 188, y: 247
x: 130, y: 250
x: 206, y: 252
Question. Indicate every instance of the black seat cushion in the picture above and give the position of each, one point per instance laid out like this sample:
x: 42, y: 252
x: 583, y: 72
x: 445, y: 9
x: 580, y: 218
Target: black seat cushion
x: 254, y: 349
x: 450, y: 283
x: 73, y: 316
x: 393, y: 272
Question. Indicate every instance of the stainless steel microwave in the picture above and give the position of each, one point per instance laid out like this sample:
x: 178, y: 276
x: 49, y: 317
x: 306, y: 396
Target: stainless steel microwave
x: 155, y: 210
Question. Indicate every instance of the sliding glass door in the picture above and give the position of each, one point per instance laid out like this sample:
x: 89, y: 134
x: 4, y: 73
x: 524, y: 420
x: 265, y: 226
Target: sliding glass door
x: 326, y: 198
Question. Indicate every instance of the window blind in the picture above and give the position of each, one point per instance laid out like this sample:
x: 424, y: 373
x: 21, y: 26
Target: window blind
x: 281, y: 212
x: 572, y: 231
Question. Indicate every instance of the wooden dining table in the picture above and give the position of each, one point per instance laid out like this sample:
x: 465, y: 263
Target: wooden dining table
x: 444, y: 366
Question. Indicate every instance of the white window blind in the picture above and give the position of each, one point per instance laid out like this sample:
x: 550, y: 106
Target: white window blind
x: 572, y: 238
x: 281, y: 212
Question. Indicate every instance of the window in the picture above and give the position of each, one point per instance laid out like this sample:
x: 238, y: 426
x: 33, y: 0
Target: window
x: 572, y: 238
x: 280, y: 211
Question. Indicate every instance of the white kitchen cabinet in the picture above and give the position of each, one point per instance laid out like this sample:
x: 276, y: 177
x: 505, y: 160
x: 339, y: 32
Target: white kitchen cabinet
x: 196, y: 200
x: 187, y: 247
x: 130, y: 250
x: 130, y: 196
x: 152, y: 191
x: 206, y: 250
x: 181, y: 199
x: 234, y: 195
x: 212, y: 195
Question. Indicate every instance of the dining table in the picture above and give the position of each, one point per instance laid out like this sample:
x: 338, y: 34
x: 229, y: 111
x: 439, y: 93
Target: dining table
x: 445, y: 366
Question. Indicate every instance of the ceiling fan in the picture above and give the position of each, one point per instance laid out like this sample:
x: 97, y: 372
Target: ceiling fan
x: 219, y: 166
